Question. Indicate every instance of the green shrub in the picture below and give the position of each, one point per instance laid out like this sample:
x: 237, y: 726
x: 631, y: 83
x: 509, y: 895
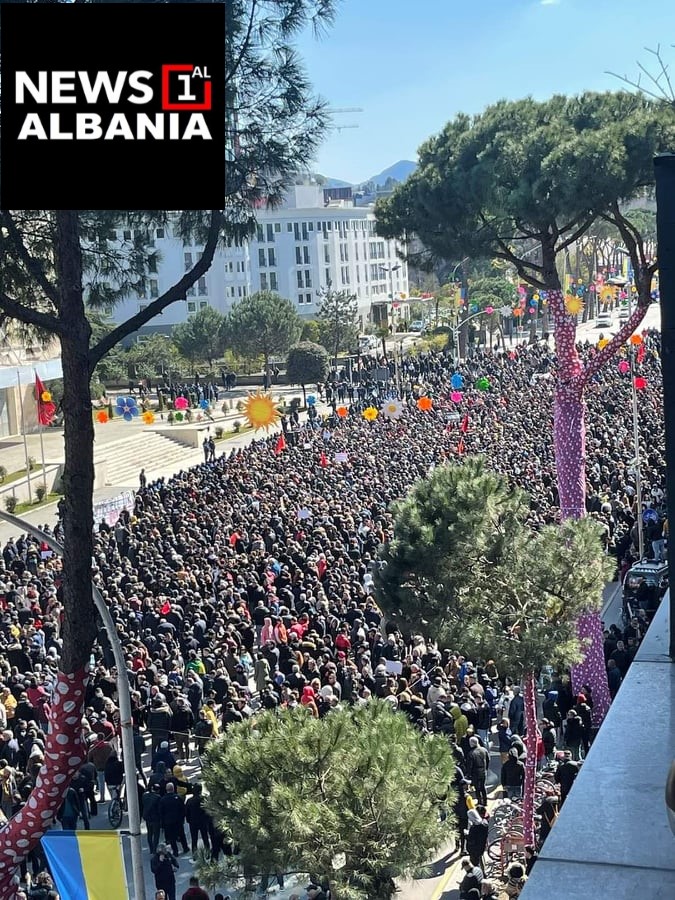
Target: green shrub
x: 32, y: 464
x: 40, y: 492
x: 170, y: 417
x: 10, y: 503
x: 3, y: 474
x: 236, y: 426
x: 219, y: 432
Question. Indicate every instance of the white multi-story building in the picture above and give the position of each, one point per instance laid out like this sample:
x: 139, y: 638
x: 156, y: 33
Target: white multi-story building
x: 305, y: 246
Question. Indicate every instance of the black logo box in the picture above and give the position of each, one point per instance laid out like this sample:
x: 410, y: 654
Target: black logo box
x: 116, y: 173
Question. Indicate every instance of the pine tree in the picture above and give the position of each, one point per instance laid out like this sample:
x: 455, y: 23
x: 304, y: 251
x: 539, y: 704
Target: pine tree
x: 354, y: 797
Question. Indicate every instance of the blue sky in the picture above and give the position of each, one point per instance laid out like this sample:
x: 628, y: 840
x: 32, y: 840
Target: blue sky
x: 412, y: 65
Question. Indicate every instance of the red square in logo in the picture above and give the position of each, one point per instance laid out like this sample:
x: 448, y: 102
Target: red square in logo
x: 187, y: 99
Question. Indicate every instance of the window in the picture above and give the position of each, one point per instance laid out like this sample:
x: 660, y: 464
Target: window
x: 192, y: 306
x: 296, y: 231
x: 356, y: 252
x: 298, y: 255
x: 277, y: 227
x: 239, y: 291
x: 308, y: 278
x: 160, y: 233
x: 272, y: 256
x: 263, y: 281
x: 344, y: 272
x: 308, y: 299
x: 112, y: 236
x: 305, y: 255
x: 380, y: 249
x: 301, y: 300
x: 372, y: 248
x: 203, y: 304
x: 127, y: 235
x: 310, y: 226
x: 229, y: 266
x: 299, y: 276
x: 187, y: 257
x: 328, y: 278
x: 289, y: 226
x: 329, y: 226
x: 142, y: 306
x: 260, y: 234
x: 142, y: 338
x: 273, y: 282
x: 202, y: 289
x: 262, y: 260
x: 154, y: 287
x: 358, y: 277
x: 270, y: 233
x: 319, y: 226
x: 374, y: 272
x: 326, y: 253
x: 190, y: 291
x: 245, y: 291
x: 305, y: 236
x: 152, y: 264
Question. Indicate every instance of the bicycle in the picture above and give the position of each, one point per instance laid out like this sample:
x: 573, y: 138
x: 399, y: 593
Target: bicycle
x: 117, y: 806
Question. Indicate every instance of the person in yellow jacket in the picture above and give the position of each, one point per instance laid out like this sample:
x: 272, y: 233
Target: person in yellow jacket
x: 461, y: 722
x: 183, y: 786
x: 209, y: 711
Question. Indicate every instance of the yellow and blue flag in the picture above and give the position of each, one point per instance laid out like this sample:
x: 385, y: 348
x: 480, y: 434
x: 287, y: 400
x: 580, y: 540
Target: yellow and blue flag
x: 86, y: 865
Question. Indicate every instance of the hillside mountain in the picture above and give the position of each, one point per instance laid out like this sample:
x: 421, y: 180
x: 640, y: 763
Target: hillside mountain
x: 399, y: 171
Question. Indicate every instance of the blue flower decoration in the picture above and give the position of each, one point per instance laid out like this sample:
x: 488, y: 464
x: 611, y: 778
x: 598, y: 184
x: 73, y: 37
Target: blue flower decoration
x: 474, y: 307
x: 311, y: 400
x: 203, y: 404
x: 457, y: 381
x: 126, y: 407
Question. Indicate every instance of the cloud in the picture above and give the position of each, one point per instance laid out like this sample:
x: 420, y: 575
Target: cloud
x: 549, y: 2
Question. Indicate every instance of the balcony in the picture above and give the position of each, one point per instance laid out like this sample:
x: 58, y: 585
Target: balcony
x: 612, y: 838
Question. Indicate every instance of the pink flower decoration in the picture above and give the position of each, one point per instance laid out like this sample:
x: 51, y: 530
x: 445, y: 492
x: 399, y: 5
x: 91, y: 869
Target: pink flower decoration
x: 489, y: 310
x: 181, y: 403
x: 456, y: 397
x: 624, y: 366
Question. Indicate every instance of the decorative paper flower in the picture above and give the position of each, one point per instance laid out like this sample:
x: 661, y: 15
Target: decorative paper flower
x: 532, y: 310
x: 181, y: 403
x: 311, y: 400
x: 126, y: 407
x: 457, y: 381
x: 260, y: 411
x: 602, y: 343
x: 636, y: 340
x: 456, y: 397
x: 370, y: 413
x: 535, y: 296
x: 178, y: 417
x: 46, y: 397
x: 640, y: 383
x: 489, y: 310
x: 148, y: 417
x: 425, y: 404
x: 204, y: 404
x: 483, y: 383
x: 102, y: 416
x: 342, y: 412
x: 573, y: 304
x: 392, y: 409
x: 474, y: 307
x: 517, y: 312
x: 624, y: 367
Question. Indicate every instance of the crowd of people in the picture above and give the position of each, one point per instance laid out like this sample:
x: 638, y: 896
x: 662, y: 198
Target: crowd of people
x: 246, y: 583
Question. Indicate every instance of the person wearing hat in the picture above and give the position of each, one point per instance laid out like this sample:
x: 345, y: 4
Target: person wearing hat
x: 515, y: 882
x: 470, y: 879
x: 163, y: 866
x: 478, y: 763
x: 513, y: 776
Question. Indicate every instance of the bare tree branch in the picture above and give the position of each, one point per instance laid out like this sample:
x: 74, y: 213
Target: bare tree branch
x: 176, y: 292
x: 27, y: 314
x: 585, y: 225
x: 33, y: 266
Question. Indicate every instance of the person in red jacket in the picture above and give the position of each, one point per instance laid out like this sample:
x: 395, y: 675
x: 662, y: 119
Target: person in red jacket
x: 194, y: 892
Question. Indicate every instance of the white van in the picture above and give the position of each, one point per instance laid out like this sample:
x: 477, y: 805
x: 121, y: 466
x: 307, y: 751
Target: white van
x: 604, y: 319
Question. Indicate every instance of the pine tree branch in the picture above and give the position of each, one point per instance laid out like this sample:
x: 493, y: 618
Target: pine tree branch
x: 585, y: 225
x: 33, y: 266
x: 29, y: 316
x: 175, y: 292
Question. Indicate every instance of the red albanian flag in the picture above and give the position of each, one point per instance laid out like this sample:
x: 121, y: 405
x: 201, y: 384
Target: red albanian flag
x: 45, y: 408
x: 323, y: 460
x: 280, y: 445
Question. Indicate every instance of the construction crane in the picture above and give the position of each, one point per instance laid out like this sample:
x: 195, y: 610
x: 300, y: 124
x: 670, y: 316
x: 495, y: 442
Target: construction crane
x: 342, y: 110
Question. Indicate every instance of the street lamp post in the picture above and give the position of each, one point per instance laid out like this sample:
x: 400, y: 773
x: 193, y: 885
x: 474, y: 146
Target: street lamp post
x: 391, y: 270
x: 124, y: 694
x: 455, y: 334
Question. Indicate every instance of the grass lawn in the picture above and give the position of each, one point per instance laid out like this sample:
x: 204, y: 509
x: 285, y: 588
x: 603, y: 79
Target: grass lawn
x: 15, y: 476
x: 27, y: 507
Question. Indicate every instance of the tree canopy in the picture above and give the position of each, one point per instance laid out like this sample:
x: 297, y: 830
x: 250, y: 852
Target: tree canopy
x: 202, y: 337
x: 338, y: 321
x: 353, y: 797
x: 523, y: 171
x: 307, y: 363
x: 263, y: 324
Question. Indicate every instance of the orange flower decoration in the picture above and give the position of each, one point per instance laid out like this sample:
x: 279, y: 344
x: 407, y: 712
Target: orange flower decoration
x: 342, y: 412
x: 425, y: 404
x: 102, y: 416
x: 636, y: 340
x: 370, y: 413
x: 148, y: 417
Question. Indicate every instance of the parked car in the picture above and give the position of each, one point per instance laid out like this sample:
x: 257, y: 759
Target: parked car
x: 604, y: 319
x: 643, y: 587
x: 367, y: 342
x: 624, y: 313
x: 417, y: 325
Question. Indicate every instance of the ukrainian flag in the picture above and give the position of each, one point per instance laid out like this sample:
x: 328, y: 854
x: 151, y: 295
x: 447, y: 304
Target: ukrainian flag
x: 86, y: 865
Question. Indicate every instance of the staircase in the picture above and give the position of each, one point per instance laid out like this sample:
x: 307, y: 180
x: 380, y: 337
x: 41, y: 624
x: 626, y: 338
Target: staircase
x: 150, y: 451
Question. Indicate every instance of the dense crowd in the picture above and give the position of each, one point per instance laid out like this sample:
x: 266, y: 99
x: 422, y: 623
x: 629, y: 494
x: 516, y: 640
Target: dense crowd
x: 247, y: 583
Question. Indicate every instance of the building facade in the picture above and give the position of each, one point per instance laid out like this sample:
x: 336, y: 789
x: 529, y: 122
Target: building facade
x: 307, y: 245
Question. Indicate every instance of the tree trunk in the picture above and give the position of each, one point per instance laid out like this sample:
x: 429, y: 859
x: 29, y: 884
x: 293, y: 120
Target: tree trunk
x: 304, y: 396
x: 530, y: 700
x: 63, y: 754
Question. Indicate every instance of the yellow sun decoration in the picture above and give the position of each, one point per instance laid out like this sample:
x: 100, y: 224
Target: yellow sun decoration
x: 260, y: 411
